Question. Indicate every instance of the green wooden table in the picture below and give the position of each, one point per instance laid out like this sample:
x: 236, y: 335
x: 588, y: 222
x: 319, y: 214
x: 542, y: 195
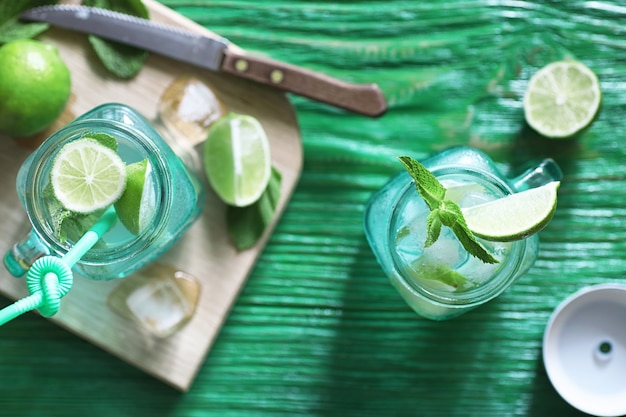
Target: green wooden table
x: 317, y: 329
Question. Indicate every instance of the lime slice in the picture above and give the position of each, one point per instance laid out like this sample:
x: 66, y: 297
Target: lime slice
x: 136, y: 206
x: 87, y: 176
x: 237, y: 159
x: 514, y: 217
x: 562, y: 99
x: 437, y: 276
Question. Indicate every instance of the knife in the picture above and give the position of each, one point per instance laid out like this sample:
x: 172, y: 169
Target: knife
x: 213, y: 54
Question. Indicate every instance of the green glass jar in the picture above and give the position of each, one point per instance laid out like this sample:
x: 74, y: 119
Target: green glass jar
x: 177, y: 197
x: 443, y: 280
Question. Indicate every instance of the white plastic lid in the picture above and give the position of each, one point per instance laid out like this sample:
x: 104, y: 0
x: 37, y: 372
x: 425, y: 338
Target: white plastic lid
x: 584, y: 350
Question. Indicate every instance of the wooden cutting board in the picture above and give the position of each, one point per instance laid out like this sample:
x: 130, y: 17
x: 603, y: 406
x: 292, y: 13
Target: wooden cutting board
x: 205, y: 251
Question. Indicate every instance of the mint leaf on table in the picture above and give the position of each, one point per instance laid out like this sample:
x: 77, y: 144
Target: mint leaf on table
x: 121, y: 60
x: 443, y: 212
x: 11, y: 28
x: 247, y: 224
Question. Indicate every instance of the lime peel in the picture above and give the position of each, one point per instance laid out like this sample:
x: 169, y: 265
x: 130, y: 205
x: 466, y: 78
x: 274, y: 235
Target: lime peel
x: 513, y: 217
x: 135, y: 207
x: 434, y: 274
x: 35, y: 86
x: 237, y: 159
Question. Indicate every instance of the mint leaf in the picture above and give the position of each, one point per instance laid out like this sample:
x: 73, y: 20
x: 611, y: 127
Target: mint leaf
x: 247, y: 224
x: 427, y: 185
x: 65, y: 223
x: 121, y: 60
x: 454, y: 220
x: 433, y: 228
x: 76, y: 225
x: 104, y: 140
x: 443, y: 212
x: 14, y: 29
x: 56, y: 211
x: 11, y: 28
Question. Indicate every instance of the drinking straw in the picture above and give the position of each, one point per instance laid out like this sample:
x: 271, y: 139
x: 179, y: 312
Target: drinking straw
x: 50, y: 278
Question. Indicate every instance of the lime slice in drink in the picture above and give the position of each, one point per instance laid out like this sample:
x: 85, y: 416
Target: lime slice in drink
x: 136, y: 206
x: 513, y: 217
x: 87, y: 176
x: 437, y: 276
x: 562, y: 99
x: 237, y: 159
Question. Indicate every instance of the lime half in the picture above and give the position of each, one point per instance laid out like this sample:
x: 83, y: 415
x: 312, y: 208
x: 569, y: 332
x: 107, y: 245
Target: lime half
x: 87, y: 176
x: 136, y: 206
x: 562, y: 99
x: 237, y: 159
x: 514, y: 217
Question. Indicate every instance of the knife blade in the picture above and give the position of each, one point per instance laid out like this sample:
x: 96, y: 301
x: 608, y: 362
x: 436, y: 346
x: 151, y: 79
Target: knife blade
x: 212, y: 53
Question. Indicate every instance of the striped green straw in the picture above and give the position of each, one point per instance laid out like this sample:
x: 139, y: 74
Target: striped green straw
x: 50, y: 278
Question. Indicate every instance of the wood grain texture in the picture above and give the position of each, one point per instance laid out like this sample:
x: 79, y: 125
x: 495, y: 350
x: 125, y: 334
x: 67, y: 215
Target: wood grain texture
x: 317, y: 329
x: 205, y: 251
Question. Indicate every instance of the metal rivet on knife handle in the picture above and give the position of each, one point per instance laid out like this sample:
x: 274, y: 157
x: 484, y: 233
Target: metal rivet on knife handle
x: 364, y: 99
x: 241, y: 65
x: 277, y: 76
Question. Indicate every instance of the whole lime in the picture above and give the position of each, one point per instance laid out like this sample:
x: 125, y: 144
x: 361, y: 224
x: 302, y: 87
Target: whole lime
x: 35, y: 86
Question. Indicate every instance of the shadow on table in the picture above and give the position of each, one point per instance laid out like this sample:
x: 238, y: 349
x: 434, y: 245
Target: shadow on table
x: 545, y: 400
x: 387, y: 361
x: 529, y: 146
x: 46, y: 370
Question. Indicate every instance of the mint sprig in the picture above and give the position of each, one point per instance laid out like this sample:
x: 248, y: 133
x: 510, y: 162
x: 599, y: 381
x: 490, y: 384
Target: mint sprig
x: 121, y: 60
x: 443, y: 212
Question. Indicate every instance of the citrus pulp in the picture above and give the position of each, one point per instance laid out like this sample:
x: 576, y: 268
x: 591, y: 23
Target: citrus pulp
x: 237, y: 159
x: 87, y: 176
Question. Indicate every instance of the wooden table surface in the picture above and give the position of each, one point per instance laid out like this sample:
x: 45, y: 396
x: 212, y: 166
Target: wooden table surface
x: 317, y: 330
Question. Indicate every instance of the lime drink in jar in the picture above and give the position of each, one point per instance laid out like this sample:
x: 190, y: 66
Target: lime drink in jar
x: 443, y: 280
x: 169, y: 200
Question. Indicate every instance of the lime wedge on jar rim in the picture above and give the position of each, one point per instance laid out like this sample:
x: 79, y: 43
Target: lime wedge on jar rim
x: 87, y: 176
x: 237, y: 159
x: 514, y: 217
x: 562, y: 99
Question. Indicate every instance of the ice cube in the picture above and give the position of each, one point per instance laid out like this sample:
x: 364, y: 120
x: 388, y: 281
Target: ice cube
x: 447, y: 249
x: 160, y: 298
x: 158, y: 305
x: 188, y: 107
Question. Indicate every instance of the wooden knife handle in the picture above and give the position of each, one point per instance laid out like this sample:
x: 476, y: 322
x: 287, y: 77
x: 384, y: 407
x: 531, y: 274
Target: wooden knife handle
x: 359, y: 98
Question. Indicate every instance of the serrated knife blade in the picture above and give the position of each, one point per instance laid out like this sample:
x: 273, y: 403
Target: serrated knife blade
x: 212, y: 53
